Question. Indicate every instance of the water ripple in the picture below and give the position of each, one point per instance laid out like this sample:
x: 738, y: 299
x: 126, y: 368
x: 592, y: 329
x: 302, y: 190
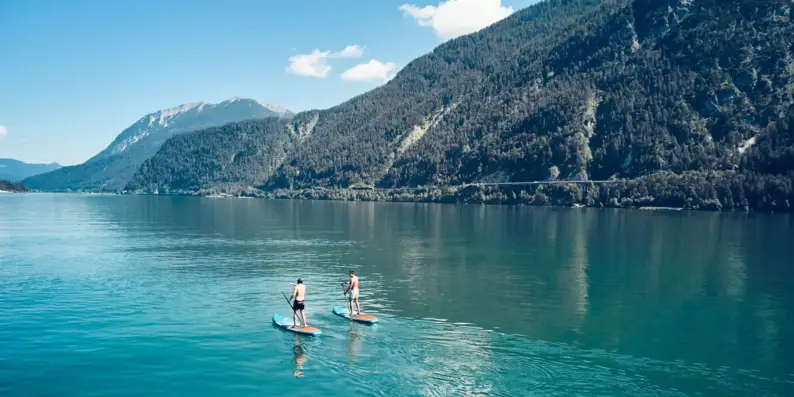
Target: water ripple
x: 132, y: 296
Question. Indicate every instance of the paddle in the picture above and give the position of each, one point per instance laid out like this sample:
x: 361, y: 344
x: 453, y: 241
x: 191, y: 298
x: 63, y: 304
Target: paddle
x: 288, y: 302
x: 285, y: 297
x: 344, y: 296
x: 348, y: 304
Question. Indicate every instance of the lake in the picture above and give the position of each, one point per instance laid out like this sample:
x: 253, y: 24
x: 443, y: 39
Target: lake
x: 173, y: 296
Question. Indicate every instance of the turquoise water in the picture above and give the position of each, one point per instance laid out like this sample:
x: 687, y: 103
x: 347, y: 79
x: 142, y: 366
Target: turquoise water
x: 134, y: 296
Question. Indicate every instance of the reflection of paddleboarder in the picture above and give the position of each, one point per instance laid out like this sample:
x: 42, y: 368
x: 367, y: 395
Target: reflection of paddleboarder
x: 355, y: 341
x: 299, y: 355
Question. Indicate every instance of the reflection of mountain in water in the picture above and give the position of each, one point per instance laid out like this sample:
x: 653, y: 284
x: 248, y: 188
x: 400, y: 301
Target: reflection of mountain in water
x: 642, y: 283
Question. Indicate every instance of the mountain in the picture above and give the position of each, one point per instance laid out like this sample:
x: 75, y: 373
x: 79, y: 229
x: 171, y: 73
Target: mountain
x: 679, y: 102
x: 15, y: 170
x: 112, y: 168
x: 244, y: 154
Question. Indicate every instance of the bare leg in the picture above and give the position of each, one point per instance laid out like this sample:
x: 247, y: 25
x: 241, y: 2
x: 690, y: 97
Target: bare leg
x: 358, y: 308
x: 294, y: 318
x: 303, y: 316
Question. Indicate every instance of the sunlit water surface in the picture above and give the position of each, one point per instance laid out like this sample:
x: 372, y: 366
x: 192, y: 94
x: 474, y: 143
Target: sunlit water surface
x: 173, y: 296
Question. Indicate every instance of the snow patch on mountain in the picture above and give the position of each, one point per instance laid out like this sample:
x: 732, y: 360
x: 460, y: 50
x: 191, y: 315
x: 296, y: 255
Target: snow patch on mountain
x: 163, y: 124
x: 280, y: 110
x: 162, y: 117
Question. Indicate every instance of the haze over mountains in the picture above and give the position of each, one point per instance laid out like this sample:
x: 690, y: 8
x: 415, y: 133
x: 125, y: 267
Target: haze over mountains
x: 685, y: 103
x: 112, y: 168
x: 15, y: 170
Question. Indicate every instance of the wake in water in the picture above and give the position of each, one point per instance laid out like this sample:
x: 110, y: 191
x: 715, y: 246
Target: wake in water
x: 429, y: 358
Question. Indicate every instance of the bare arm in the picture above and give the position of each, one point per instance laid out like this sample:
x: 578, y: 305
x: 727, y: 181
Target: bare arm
x: 294, y: 293
x: 346, y: 288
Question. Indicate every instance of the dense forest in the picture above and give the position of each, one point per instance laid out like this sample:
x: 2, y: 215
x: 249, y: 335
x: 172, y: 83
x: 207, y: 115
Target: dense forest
x: 677, y: 103
x: 232, y: 157
x: 689, y: 190
x: 8, y: 186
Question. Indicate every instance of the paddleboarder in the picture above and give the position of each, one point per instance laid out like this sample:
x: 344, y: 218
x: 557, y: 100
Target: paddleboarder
x: 298, y: 298
x: 353, y: 290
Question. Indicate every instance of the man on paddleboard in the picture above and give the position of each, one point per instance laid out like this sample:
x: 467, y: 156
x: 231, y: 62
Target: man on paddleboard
x: 353, y: 290
x: 298, y: 297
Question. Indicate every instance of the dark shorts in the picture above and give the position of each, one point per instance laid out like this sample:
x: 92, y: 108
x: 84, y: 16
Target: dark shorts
x: 297, y: 305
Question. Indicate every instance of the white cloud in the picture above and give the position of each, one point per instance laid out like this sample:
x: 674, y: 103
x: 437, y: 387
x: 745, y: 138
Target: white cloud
x: 3, y: 131
x: 351, y: 51
x: 453, y: 18
x: 312, y: 65
x: 372, y: 70
x: 315, y: 64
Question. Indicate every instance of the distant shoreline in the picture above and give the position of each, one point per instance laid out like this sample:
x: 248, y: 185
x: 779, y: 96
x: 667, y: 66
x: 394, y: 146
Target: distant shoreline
x: 660, y: 208
x: 668, y: 191
x: 12, y: 187
x: 349, y: 195
x: 471, y: 195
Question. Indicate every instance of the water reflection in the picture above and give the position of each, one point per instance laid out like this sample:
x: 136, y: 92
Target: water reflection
x: 573, y: 277
x: 354, y: 342
x: 299, y: 355
x: 647, y: 284
x: 582, y: 299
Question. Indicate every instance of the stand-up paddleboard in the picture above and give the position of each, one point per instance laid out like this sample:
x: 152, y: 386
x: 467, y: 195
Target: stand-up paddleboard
x: 286, y: 324
x: 361, y: 318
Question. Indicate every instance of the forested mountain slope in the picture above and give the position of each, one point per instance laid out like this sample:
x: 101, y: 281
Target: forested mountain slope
x: 231, y: 157
x: 7, y: 186
x: 578, y: 89
x: 112, y: 168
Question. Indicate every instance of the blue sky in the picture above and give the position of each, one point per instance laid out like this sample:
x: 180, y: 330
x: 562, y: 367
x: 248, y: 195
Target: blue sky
x: 74, y: 74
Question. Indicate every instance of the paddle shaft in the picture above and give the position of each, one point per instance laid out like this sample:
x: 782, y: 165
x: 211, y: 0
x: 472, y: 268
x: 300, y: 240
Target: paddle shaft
x: 288, y: 302
x: 291, y: 308
x: 347, y: 302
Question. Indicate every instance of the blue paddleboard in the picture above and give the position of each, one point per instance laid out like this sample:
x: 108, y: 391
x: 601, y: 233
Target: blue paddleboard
x: 361, y: 318
x: 286, y: 324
